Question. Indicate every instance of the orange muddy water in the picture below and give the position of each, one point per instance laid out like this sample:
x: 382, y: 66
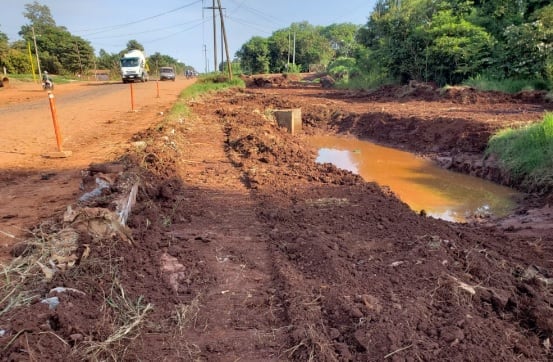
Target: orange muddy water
x: 416, y: 181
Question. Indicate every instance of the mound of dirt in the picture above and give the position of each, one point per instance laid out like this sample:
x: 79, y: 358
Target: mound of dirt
x: 266, y: 81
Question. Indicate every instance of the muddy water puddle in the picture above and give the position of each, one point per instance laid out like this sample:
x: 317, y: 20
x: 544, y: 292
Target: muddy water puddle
x: 416, y: 181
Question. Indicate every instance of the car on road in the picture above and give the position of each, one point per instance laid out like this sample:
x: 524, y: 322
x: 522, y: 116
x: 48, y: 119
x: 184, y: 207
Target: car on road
x: 167, y: 73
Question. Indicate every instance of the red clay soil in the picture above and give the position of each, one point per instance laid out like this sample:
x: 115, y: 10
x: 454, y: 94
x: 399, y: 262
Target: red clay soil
x: 241, y: 247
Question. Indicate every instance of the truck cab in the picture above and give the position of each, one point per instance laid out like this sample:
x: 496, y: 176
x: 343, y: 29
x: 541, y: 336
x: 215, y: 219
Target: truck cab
x: 134, y: 67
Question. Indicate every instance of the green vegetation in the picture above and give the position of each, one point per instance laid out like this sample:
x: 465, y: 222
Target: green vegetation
x: 496, y: 44
x: 527, y: 153
x: 315, y: 46
x: 204, y: 84
x: 58, y: 79
x: 209, y: 83
x: 506, y: 85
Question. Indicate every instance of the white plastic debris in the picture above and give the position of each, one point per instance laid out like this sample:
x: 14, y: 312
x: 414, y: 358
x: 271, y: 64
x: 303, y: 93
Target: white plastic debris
x: 102, y: 184
x: 52, y: 302
x: 124, y: 206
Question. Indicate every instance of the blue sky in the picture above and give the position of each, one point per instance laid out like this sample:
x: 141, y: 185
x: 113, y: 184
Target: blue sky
x: 180, y: 28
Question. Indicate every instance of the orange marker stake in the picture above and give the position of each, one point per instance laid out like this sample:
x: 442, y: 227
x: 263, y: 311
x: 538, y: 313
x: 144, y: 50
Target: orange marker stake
x: 132, y: 97
x: 157, y: 85
x: 55, y: 119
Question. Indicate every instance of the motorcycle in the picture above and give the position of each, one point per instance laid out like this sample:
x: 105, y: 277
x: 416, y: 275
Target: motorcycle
x: 47, y: 84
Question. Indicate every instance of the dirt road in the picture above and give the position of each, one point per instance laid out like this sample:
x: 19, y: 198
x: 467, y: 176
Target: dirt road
x: 241, y: 247
x: 96, y: 125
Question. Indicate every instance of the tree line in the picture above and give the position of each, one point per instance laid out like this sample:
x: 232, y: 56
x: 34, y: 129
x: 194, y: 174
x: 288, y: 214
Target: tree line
x: 442, y: 41
x: 61, y: 52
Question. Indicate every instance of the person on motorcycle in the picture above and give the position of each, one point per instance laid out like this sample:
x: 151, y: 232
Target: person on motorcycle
x: 47, y: 81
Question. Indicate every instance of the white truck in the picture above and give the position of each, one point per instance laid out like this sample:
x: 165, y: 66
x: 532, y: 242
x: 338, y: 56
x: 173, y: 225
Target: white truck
x: 134, y: 67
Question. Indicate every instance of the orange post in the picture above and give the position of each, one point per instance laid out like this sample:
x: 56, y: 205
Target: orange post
x: 157, y: 85
x: 132, y: 97
x: 55, y: 119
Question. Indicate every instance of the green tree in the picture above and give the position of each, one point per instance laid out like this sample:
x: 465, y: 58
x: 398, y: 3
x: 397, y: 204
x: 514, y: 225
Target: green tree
x: 39, y: 16
x: 280, y: 50
x: 17, y: 62
x: 106, y: 60
x: 525, y: 51
x: 311, y: 46
x: 59, y: 50
x: 133, y: 44
x: 545, y: 17
x: 457, y: 49
x: 16, y: 58
x: 341, y: 38
x: 158, y: 60
x: 392, y: 36
x: 254, y: 55
x: 4, y: 46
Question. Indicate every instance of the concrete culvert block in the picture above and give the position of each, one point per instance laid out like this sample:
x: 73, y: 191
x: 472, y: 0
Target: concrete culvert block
x: 289, y: 118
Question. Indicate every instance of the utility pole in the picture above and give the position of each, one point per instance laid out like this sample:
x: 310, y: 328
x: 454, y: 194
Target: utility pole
x: 288, y: 64
x: 294, y: 56
x: 36, y: 52
x: 79, y: 56
x: 213, y: 8
x: 222, y: 43
x: 214, y: 38
x: 225, y: 38
x: 205, y: 57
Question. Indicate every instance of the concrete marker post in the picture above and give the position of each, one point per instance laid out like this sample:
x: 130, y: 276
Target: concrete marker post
x: 61, y: 153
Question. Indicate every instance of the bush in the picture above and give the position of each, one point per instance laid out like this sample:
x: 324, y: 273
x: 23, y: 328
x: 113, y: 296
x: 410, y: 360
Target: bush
x: 483, y: 82
x: 293, y: 68
x: 527, y: 153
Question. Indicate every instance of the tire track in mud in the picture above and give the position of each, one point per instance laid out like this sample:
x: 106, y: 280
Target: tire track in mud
x: 233, y: 246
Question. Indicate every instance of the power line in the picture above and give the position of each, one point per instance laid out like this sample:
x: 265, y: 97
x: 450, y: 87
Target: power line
x: 249, y: 24
x: 268, y: 17
x: 195, y: 22
x: 178, y: 32
x: 113, y: 27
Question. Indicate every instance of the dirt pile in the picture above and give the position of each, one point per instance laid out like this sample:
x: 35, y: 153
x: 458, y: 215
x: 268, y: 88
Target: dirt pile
x: 244, y: 247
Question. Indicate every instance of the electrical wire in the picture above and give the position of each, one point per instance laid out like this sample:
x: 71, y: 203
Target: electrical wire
x: 272, y: 19
x: 179, y: 32
x: 113, y: 27
x: 198, y: 21
x: 259, y: 27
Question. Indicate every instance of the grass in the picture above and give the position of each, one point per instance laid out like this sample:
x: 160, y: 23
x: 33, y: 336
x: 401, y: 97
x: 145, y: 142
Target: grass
x: 129, y: 316
x: 364, y: 81
x: 510, y: 86
x: 186, y: 314
x: 23, y: 272
x: 208, y: 84
x: 204, y: 84
x: 527, y: 153
x: 58, y: 79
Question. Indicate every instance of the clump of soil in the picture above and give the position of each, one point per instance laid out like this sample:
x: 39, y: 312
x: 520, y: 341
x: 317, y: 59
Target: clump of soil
x: 244, y: 248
